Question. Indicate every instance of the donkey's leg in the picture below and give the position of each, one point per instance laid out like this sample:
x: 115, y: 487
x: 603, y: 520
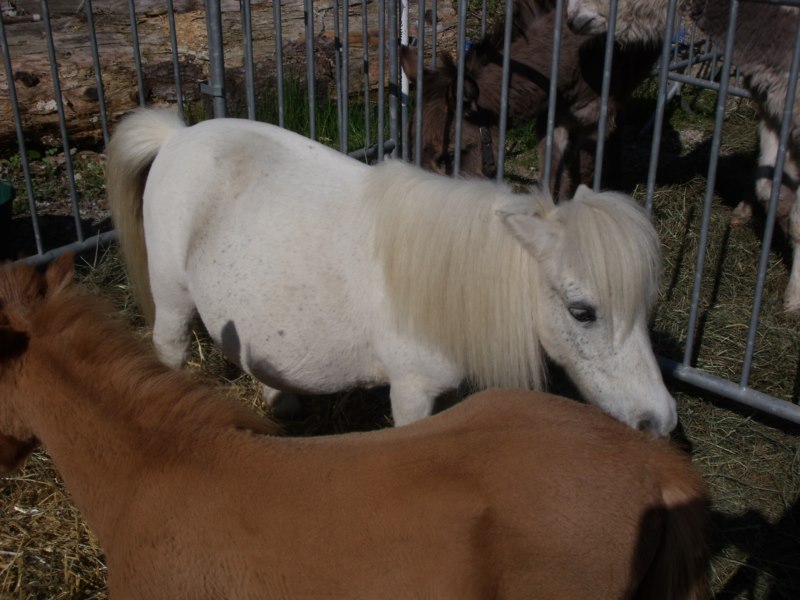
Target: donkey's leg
x: 768, y: 155
x: 172, y: 327
x: 559, y: 179
x: 791, y: 298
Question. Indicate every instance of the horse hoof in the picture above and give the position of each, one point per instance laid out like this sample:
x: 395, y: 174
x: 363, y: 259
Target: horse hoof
x: 285, y: 405
x: 791, y: 306
x: 791, y: 300
x: 741, y: 214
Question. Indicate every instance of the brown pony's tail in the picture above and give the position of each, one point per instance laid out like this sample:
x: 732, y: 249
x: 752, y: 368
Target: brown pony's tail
x: 131, y: 150
x: 679, y: 569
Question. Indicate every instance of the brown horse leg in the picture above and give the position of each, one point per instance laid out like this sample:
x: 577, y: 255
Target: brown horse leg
x: 558, y: 185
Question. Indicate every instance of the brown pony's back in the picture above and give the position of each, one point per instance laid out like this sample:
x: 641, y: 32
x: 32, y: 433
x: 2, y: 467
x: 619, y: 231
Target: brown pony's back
x: 509, y: 494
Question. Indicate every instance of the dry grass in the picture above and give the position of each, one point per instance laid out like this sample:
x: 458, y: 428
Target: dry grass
x: 751, y: 464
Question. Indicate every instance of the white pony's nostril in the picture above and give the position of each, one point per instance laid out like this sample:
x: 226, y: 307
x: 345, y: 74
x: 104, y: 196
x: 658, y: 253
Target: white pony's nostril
x: 649, y: 423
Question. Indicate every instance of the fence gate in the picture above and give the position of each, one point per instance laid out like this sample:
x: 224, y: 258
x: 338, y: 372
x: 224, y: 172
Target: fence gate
x: 332, y: 71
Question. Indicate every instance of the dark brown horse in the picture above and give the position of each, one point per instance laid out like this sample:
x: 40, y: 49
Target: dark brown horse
x: 578, y: 99
x: 510, y: 494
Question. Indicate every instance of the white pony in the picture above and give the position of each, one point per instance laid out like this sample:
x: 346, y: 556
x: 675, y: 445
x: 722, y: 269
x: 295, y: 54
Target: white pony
x: 316, y: 273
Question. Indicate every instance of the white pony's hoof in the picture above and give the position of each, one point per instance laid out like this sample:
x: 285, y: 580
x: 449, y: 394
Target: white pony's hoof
x: 282, y: 405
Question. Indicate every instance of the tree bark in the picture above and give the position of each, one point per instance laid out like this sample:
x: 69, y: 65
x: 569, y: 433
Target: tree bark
x: 26, y: 35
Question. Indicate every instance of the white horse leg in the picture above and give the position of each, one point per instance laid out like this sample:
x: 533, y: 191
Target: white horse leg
x: 282, y: 405
x: 411, y: 401
x: 791, y: 298
x: 172, y: 332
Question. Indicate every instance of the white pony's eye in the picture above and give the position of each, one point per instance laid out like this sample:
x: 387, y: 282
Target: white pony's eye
x: 582, y: 312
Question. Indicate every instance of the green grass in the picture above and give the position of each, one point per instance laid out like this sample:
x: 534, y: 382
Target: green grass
x: 297, y: 115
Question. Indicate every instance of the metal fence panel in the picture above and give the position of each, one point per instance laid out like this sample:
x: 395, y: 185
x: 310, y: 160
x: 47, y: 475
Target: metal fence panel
x: 385, y: 96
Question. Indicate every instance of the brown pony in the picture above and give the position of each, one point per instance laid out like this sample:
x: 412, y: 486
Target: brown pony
x: 578, y: 101
x: 510, y: 494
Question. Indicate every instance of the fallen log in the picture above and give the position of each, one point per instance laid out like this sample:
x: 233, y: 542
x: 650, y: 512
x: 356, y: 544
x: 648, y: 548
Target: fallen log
x: 26, y: 34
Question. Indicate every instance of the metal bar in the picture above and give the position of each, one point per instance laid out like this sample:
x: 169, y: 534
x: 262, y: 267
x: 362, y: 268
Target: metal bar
x: 310, y: 75
x: 716, y: 141
x: 372, y: 152
x: 419, y: 84
x: 337, y: 63
x: 216, y: 58
x: 603, y: 121
x: 460, y: 45
x: 365, y: 72
x: 137, y: 55
x: 705, y: 57
x: 777, y: 179
x: 394, y: 83
x: 98, y: 77
x: 176, y: 65
x: 276, y: 17
x: 661, y: 105
x: 89, y: 243
x: 723, y: 387
x: 502, y: 132
x: 404, y: 85
x: 708, y: 85
x: 247, y: 34
x: 23, y: 151
x: 62, y: 120
x: 547, y: 169
x: 379, y: 134
x: 344, y: 132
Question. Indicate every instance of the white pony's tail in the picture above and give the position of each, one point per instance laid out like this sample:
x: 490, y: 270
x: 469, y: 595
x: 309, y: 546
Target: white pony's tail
x: 131, y: 150
x: 679, y: 569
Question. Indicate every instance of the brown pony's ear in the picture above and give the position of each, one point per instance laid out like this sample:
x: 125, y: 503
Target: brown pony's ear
x: 60, y: 273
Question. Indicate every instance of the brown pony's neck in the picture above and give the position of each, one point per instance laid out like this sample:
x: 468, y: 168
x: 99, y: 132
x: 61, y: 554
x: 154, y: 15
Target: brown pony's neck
x: 108, y: 411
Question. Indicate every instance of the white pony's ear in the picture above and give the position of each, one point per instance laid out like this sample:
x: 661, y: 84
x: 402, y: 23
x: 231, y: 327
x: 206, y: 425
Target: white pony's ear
x: 583, y: 191
x: 538, y: 235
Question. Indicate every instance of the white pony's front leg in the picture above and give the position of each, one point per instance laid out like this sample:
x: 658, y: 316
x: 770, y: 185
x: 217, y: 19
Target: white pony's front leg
x: 791, y: 298
x: 411, y: 401
x: 417, y: 377
x: 283, y: 405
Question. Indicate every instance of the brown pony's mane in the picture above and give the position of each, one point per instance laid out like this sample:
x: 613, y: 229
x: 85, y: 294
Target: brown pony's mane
x: 107, y: 357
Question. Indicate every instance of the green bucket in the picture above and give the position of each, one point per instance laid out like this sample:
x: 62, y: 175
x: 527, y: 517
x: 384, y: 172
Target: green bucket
x: 7, y: 194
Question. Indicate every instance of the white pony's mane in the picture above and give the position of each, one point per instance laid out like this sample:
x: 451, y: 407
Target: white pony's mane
x: 459, y: 279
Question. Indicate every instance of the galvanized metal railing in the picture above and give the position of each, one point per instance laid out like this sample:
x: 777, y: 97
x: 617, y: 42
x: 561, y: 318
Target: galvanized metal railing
x: 391, y: 108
